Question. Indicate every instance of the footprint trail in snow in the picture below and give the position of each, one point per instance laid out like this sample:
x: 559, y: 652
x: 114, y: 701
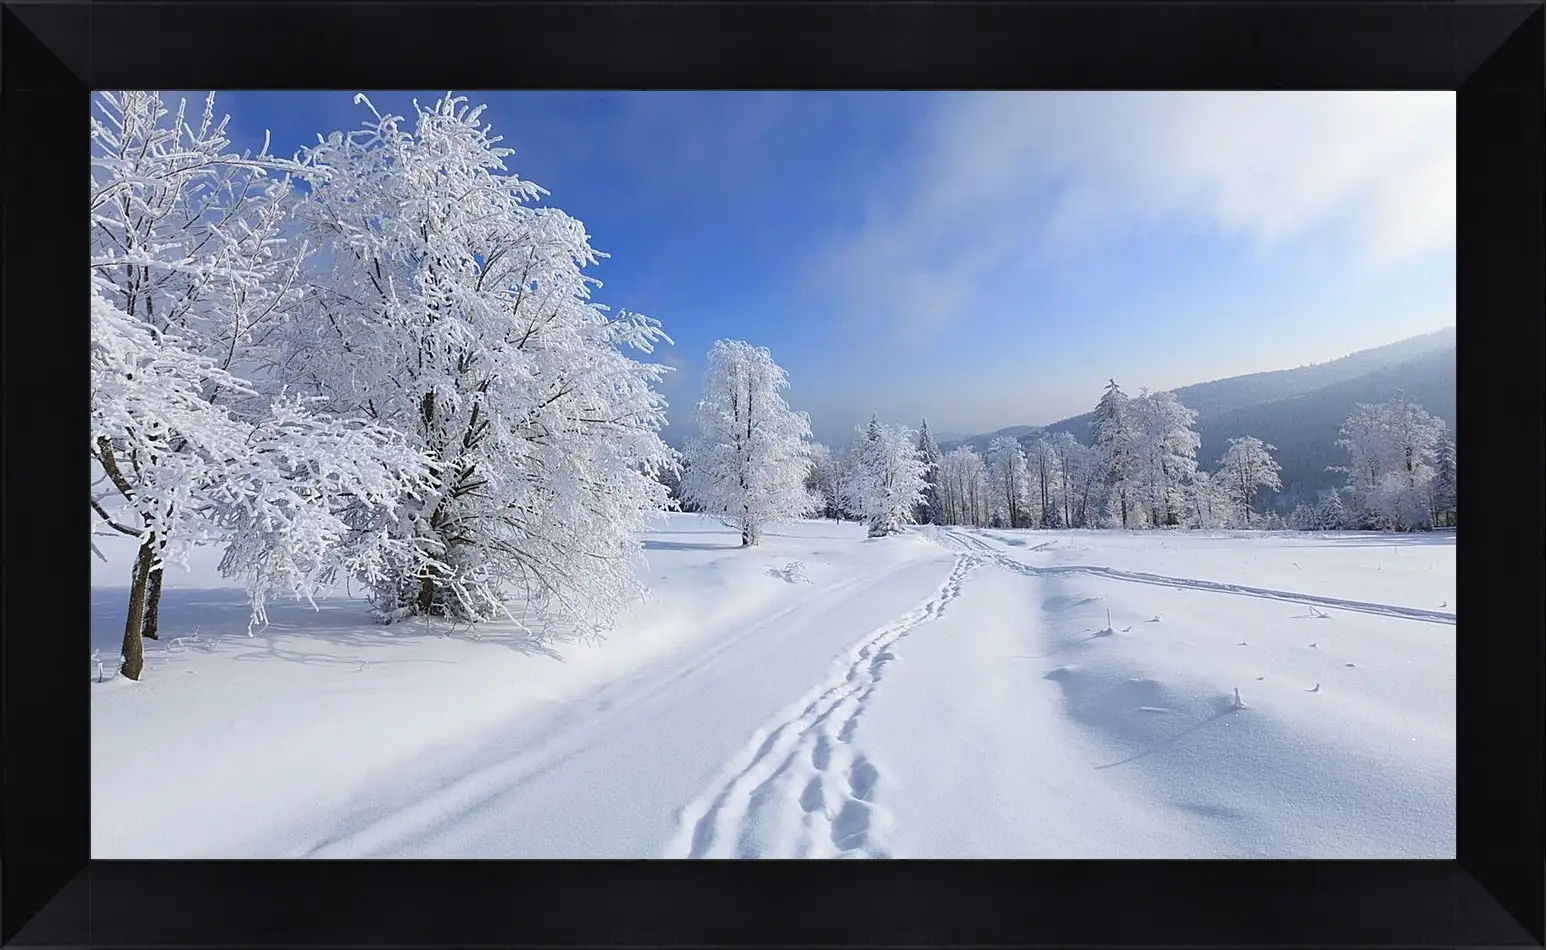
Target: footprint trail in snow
x: 800, y: 789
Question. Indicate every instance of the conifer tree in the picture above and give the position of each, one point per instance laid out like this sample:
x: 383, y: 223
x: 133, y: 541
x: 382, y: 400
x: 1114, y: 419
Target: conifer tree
x: 1116, y: 439
x: 930, y: 510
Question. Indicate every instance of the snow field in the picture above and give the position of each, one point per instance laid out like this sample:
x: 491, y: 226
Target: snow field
x: 1358, y: 566
x: 945, y: 693
x: 1363, y: 766
x: 343, y: 723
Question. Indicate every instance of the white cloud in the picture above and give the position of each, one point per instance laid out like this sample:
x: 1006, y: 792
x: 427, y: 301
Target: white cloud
x: 999, y: 177
x: 681, y: 378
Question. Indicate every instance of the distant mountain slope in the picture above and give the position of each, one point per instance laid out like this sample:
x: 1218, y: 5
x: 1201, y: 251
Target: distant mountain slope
x: 1298, y: 410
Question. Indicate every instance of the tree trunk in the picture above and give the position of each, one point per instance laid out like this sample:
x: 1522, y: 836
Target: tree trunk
x: 1068, y: 514
x: 134, y: 644
x: 426, y: 595
x: 153, y: 604
x: 748, y: 538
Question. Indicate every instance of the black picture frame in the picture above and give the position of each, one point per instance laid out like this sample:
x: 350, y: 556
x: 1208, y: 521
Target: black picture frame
x: 53, y: 53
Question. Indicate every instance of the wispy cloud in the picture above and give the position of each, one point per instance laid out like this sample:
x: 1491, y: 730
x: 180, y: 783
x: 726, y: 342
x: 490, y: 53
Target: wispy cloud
x: 1005, y: 179
x: 681, y: 379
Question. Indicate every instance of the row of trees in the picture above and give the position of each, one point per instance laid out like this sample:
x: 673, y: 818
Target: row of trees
x: 376, y: 359
x: 752, y: 464
x: 1141, y: 471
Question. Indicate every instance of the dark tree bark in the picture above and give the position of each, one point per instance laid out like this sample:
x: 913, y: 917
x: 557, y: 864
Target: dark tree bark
x: 134, y: 644
x: 153, y: 604
x: 426, y: 595
x: 134, y: 640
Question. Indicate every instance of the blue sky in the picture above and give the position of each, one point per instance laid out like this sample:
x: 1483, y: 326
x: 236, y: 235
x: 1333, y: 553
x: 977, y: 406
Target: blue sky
x: 985, y: 259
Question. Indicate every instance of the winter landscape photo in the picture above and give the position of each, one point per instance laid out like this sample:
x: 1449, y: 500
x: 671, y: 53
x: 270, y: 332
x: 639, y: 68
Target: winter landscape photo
x: 772, y: 475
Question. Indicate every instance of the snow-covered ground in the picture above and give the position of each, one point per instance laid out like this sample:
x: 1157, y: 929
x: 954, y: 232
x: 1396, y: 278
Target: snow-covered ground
x: 947, y: 693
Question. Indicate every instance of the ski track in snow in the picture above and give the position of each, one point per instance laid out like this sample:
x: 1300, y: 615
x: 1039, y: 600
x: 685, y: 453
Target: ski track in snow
x: 978, y: 545
x: 443, y: 805
x: 805, y: 757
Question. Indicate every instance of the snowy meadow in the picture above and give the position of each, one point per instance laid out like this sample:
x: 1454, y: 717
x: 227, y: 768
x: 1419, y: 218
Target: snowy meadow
x: 960, y: 693
x: 390, y: 559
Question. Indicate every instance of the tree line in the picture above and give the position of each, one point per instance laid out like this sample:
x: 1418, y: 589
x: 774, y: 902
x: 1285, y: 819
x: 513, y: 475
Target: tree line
x: 1141, y: 469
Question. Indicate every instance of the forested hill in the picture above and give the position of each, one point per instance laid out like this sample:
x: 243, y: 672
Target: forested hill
x: 1298, y: 410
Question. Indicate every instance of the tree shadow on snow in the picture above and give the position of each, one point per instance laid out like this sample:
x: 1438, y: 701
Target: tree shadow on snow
x: 206, y: 613
x: 1135, y: 711
x: 653, y: 545
x: 1221, y: 709
x: 204, y: 621
x: 1206, y: 810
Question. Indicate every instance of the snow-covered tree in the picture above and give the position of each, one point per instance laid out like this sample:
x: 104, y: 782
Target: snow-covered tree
x: 1207, y: 505
x: 1115, y: 436
x: 448, y: 306
x: 980, y: 497
x: 829, y: 471
x: 929, y: 511
x: 674, y: 480
x: 1247, y: 468
x: 1048, y: 488
x: 671, y: 478
x: 963, y: 487
x: 1007, y: 479
x: 950, y: 494
x: 1442, y: 487
x: 1330, y: 515
x: 1167, y: 454
x: 1304, y: 517
x: 188, y: 236
x: 1393, y: 447
x: 1272, y: 520
x: 887, y: 483
x: 1083, y: 478
x: 817, y: 457
x: 1395, y: 504
x: 191, y: 277
x: 750, y: 458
